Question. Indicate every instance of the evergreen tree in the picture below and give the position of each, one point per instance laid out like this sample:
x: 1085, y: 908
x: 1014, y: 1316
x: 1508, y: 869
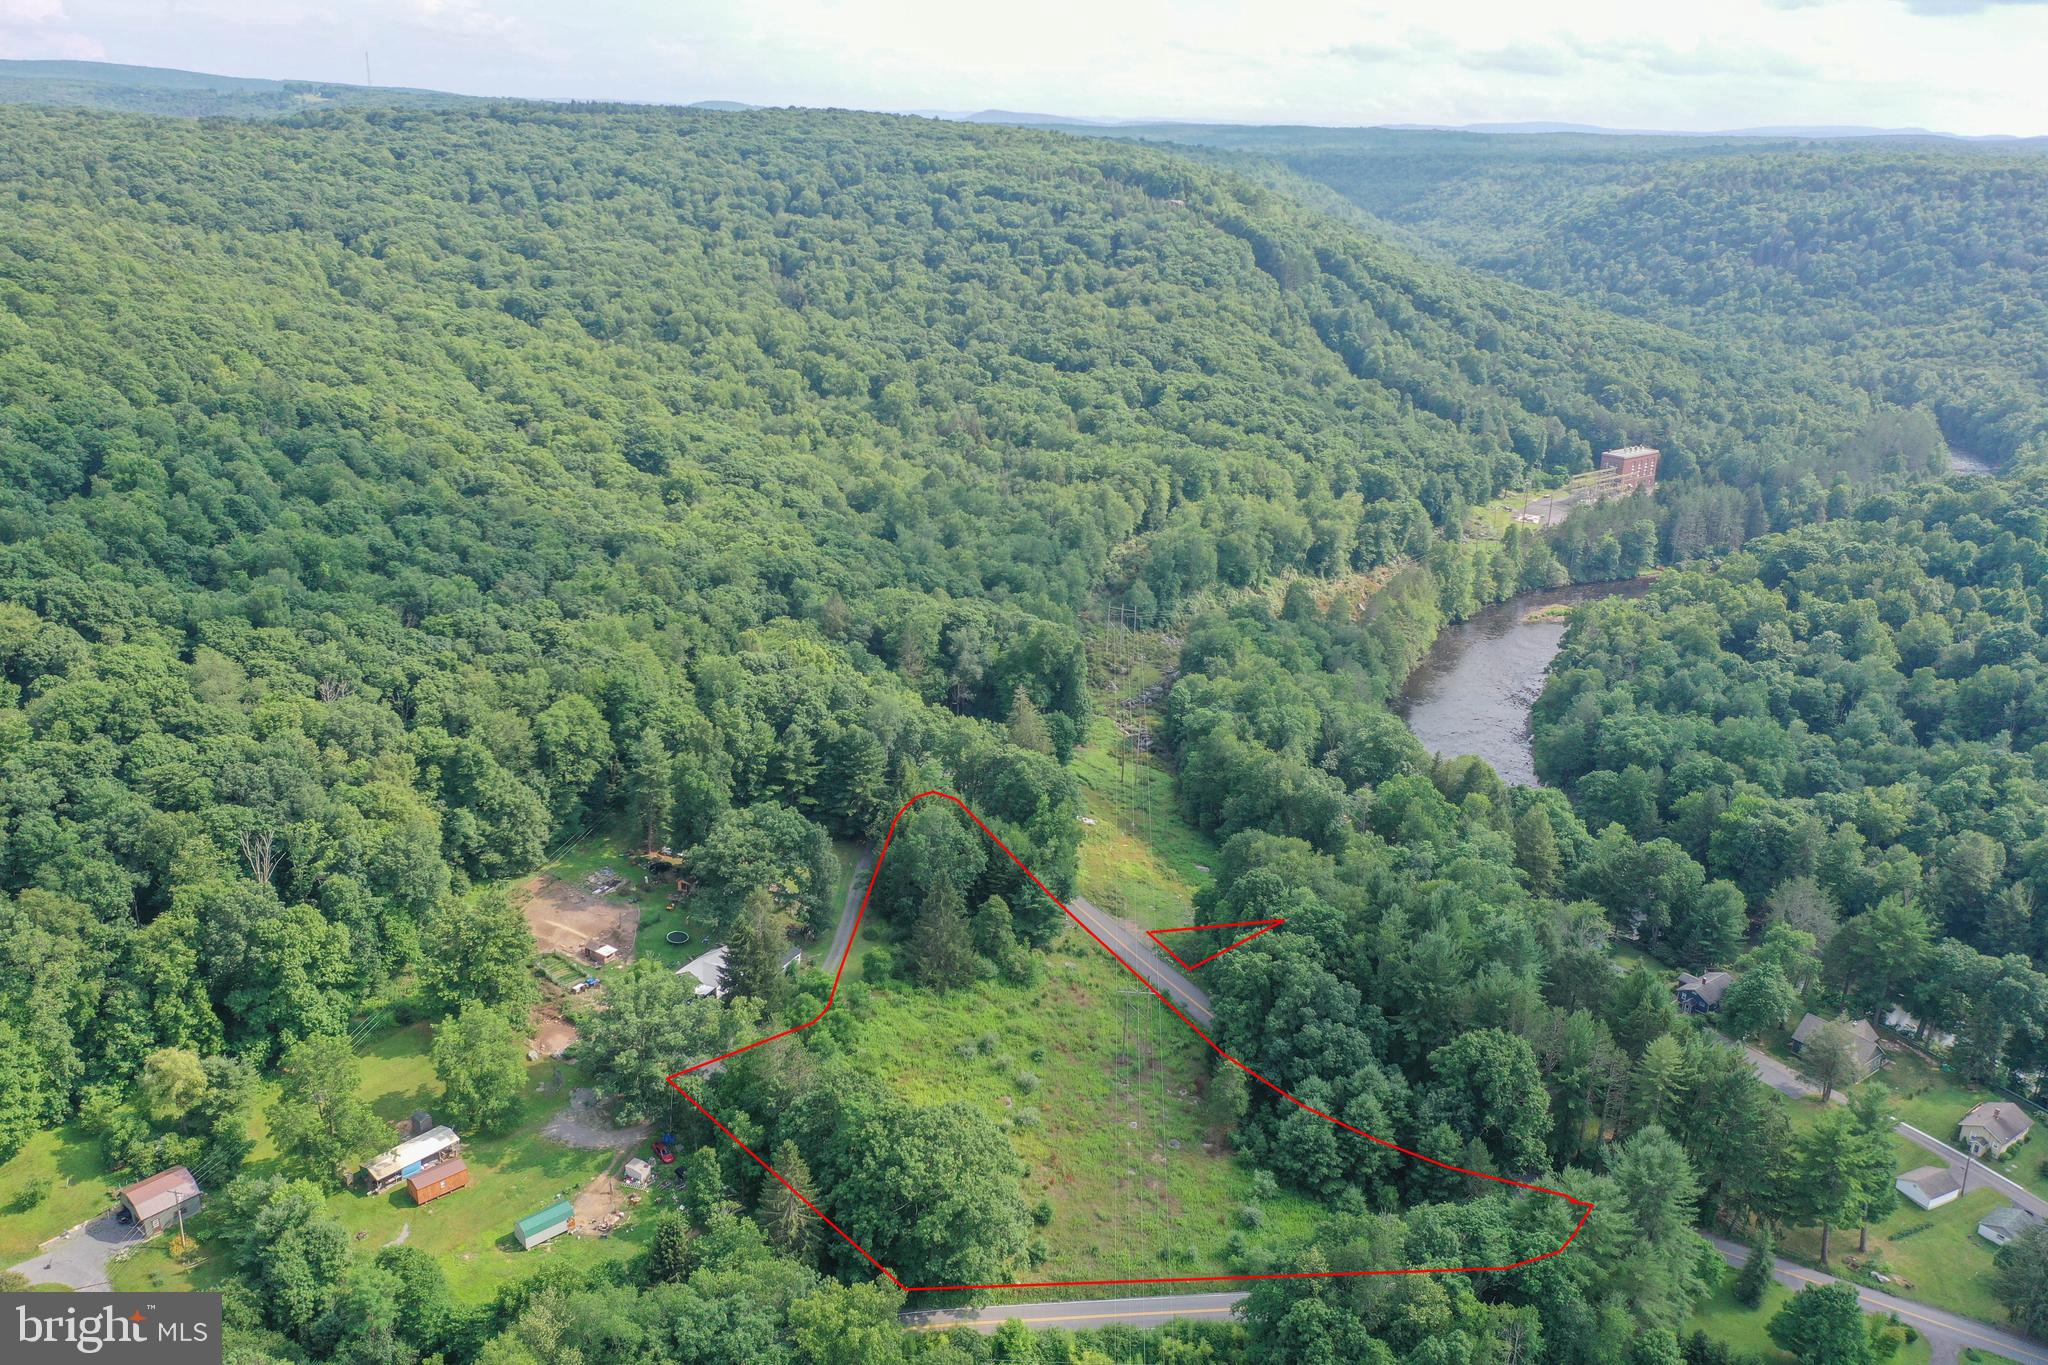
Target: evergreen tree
x: 668, y: 1249
x: 753, y: 956
x: 703, y: 1185
x: 944, y: 953
x: 650, y: 788
x: 1536, y: 852
x: 1755, y: 1279
x: 786, y: 1219
x: 1027, y: 727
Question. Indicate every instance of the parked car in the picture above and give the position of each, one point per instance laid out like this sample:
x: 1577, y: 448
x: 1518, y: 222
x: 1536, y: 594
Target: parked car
x: 664, y: 1153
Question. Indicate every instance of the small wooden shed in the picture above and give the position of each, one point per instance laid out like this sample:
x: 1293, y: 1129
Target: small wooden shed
x: 435, y: 1181
x: 548, y: 1224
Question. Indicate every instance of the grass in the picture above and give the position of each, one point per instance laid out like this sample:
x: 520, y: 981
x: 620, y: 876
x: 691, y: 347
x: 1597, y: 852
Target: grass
x: 1101, y: 1092
x: 468, y: 1232
x: 1100, y: 1088
x: 1139, y: 860
x: 64, y: 1165
x: 1724, y: 1319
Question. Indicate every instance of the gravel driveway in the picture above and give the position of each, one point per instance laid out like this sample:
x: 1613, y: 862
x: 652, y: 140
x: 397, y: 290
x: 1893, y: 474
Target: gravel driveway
x: 79, y: 1258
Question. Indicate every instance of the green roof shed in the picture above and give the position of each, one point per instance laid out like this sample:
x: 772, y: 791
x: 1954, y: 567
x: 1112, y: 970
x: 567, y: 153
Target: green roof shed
x: 550, y: 1222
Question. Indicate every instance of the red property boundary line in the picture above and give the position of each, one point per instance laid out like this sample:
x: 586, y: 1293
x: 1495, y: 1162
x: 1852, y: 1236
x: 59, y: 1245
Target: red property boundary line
x: 1262, y: 925
x: 890, y: 1275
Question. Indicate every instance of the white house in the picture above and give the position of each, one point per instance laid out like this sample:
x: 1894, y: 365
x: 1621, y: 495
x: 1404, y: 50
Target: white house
x: 2002, y: 1225
x: 1930, y: 1186
x: 708, y: 969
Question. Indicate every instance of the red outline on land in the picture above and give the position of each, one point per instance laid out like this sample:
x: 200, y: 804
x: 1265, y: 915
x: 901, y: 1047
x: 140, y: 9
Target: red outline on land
x: 1259, y: 926
x: 1082, y: 1284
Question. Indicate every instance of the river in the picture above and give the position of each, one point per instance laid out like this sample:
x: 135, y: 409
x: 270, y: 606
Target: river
x: 1473, y: 690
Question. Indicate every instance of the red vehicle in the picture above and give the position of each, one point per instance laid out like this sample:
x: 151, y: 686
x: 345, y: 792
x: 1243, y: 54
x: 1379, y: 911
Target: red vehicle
x: 664, y: 1153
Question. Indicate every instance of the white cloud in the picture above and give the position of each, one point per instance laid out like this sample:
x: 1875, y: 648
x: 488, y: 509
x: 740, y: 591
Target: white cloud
x: 1618, y: 62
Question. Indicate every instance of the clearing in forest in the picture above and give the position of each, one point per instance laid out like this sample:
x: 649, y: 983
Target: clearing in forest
x: 1100, y: 1115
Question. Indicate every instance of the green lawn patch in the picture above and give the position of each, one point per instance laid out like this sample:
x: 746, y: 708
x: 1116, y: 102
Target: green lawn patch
x: 53, y: 1183
x: 1724, y: 1319
x: 469, y: 1231
x: 1139, y: 859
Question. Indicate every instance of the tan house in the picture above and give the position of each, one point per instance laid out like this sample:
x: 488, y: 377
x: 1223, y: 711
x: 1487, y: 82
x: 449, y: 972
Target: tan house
x: 1994, y: 1129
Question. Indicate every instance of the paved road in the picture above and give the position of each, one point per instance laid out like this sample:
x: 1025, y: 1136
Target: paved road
x: 856, y: 888
x: 1947, y: 1333
x: 1785, y: 1080
x: 1148, y: 1312
x: 1128, y: 941
x: 79, y: 1258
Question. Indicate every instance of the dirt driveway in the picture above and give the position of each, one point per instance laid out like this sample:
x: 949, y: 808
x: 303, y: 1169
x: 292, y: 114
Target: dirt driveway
x: 565, y: 915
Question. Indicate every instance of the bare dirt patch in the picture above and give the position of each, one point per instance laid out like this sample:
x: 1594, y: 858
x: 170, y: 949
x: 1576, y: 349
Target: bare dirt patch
x: 565, y: 916
x: 602, y: 1204
x: 551, y: 1032
x: 583, y: 1124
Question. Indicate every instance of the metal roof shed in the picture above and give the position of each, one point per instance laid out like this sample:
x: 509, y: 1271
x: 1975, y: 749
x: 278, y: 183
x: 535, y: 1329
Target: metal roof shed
x: 549, y: 1223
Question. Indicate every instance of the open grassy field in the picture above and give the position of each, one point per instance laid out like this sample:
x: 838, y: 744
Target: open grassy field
x: 54, y: 1182
x: 1139, y: 859
x: 1101, y: 1090
x: 469, y: 1231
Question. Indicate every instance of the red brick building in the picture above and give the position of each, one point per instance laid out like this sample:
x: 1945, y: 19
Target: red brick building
x: 1633, y: 466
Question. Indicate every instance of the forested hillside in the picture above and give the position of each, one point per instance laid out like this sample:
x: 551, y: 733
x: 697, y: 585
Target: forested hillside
x: 1913, y: 267
x: 393, y: 497
x: 1845, y: 722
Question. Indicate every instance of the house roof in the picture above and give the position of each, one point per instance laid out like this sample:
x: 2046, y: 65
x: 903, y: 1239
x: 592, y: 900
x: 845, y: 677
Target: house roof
x: 162, y: 1192
x: 707, y: 969
x: 1934, y: 1181
x: 1709, y: 988
x: 546, y: 1218
x: 412, y: 1149
x: 2009, y: 1220
x: 439, y: 1171
x: 2004, y: 1122
x: 1860, y: 1030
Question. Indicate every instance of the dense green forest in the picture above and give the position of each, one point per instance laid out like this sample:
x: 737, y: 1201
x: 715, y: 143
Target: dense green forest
x: 393, y: 496
x: 1844, y: 722
x: 1910, y: 267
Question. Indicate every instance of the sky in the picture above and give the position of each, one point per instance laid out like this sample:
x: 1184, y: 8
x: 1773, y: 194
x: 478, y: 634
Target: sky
x: 1962, y: 66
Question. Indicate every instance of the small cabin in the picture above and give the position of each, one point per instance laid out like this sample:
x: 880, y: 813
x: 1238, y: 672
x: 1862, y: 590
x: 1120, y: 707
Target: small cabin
x: 1702, y: 994
x: 545, y: 1226
x: 437, y: 1180
x: 705, y: 974
x: 156, y: 1203
x: 1994, y: 1128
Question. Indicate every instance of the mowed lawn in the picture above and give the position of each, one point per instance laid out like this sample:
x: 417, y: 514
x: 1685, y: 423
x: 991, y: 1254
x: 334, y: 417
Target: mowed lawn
x: 53, y: 1183
x: 1946, y: 1264
x: 1725, y: 1320
x: 1935, y: 1101
x: 468, y: 1231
